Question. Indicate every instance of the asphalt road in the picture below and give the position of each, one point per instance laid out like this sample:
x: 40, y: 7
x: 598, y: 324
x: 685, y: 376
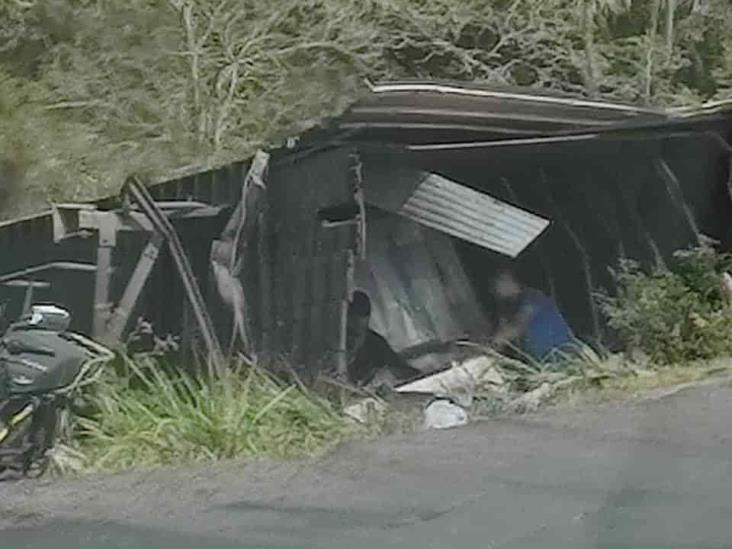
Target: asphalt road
x: 651, y: 475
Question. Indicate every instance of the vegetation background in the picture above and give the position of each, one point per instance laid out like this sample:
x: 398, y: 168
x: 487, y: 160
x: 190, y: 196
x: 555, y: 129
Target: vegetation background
x: 93, y: 89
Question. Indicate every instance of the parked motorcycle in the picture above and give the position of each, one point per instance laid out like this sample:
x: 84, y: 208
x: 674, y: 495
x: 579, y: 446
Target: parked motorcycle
x: 42, y: 365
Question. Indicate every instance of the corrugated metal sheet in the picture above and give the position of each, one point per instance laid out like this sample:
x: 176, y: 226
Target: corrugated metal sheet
x: 442, y: 204
x: 610, y: 109
x: 295, y: 277
x: 472, y: 216
x: 419, y: 112
x: 429, y: 112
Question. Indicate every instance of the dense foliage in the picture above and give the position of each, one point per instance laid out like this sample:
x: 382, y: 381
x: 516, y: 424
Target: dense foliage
x: 93, y: 89
x: 677, y: 314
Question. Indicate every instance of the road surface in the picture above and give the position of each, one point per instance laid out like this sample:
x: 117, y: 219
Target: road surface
x: 652, y: 474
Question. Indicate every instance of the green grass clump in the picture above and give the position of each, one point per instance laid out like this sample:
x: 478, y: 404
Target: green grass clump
x: 154, y: 418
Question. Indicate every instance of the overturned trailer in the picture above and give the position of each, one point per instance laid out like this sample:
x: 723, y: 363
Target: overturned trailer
x: 415, y: 195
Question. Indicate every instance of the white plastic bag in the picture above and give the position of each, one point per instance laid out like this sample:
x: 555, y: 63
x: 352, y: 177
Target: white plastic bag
x: 443, y: 414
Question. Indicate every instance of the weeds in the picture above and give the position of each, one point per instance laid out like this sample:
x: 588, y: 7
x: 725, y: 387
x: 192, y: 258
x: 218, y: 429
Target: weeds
x: 154, y: 418
x: 677, y: 314
x: 528, y: 384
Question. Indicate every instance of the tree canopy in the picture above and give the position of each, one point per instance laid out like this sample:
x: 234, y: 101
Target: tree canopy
x: 91, y: 90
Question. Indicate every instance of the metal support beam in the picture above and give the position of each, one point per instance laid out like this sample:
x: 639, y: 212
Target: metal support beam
x: 107, y: 239
x: 27, y: 283
x: 146, y: 216
x: 70, y: 220
x: 30, y: 273
x: 161, y: 223
x: 121, y: 315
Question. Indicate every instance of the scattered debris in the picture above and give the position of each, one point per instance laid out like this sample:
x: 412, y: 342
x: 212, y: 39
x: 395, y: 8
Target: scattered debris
x: 367, y: 410
x: 531, y: 401
x: 454, y: 390
x: 461, y: 382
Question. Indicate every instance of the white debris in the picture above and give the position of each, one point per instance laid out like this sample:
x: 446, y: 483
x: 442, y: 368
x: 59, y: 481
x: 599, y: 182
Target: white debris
x: 443, y: 414
x: 366, y: 410
x: 461, y: 381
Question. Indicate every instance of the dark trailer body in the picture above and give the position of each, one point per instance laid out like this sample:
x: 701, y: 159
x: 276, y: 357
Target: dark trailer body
x: 396, y: 196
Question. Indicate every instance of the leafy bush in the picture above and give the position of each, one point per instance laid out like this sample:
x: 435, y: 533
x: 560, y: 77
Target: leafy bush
x: 677, y: 314
x: 152, y: 418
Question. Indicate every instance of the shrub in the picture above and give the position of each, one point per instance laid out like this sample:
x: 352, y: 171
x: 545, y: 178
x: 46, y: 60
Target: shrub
x: 153, y: 417
x: 675, y: 314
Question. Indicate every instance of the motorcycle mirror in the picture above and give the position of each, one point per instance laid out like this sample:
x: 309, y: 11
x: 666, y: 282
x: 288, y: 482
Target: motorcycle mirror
x: 28, y: 299
x: 49, y: 317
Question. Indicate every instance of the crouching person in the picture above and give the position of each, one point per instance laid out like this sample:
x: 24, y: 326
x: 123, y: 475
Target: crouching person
x: 370, y: 357
x: 530, y: 321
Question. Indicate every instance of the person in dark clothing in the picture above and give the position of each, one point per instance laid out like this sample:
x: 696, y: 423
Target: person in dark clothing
x: 368, y: 352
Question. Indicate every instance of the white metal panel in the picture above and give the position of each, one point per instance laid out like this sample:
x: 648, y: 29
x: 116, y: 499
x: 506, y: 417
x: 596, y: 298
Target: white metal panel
x: 476, y: 217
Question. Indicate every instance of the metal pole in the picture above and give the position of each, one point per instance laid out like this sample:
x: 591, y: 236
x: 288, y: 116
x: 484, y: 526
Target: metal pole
x: 107, y: 239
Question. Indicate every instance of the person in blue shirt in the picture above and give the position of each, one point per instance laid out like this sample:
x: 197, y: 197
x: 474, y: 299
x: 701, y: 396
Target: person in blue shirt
x: 529, y: 320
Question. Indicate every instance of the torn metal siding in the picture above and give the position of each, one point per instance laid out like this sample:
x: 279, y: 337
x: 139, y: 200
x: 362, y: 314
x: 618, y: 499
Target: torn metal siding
x: 296, y: 275
x: 419, y: 290
x: 163, y: 300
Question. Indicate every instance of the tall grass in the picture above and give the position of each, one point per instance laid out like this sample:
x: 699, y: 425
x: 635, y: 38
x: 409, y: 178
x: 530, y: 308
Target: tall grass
x: 151, y: 418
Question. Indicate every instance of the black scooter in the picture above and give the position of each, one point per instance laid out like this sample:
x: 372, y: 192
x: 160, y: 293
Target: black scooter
x: 42, y: 364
